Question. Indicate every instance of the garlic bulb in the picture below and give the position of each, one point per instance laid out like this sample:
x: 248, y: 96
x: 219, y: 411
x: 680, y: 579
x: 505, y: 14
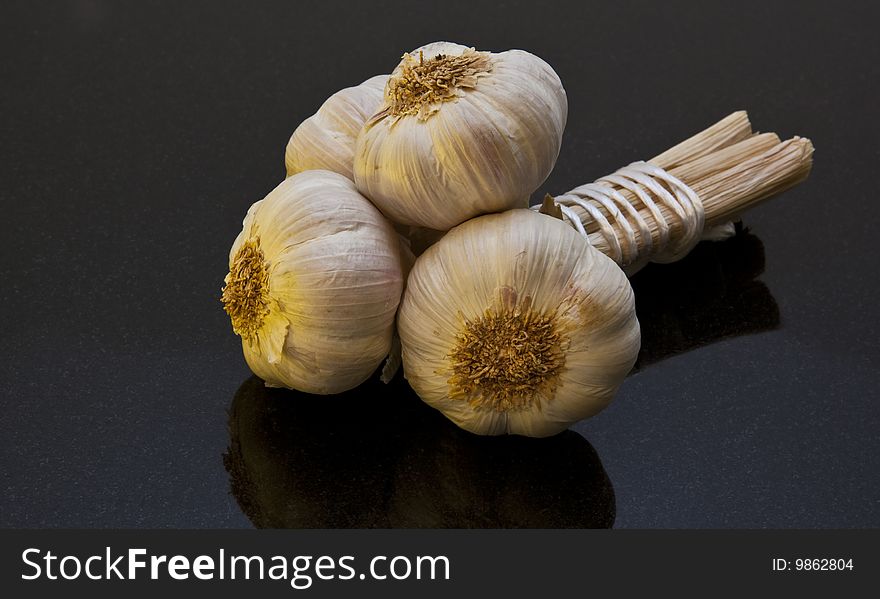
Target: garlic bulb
x: 326, y: 139
x: 461, y: 133
x: 512, y: 323
x: 314, y: 283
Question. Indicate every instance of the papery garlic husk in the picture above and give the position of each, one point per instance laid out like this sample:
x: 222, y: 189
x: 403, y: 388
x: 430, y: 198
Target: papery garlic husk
x: 512, y: 323
x: 314, y: 282
x: 326, y: 140
x: 461, y: 133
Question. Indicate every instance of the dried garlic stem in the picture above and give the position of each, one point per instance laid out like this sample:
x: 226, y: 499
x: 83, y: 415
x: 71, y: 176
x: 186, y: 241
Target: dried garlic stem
x: 730, y: 192
x: 723, y: 159
x: 731, y: 129
x: 690, y: 173
x: 636, y: 215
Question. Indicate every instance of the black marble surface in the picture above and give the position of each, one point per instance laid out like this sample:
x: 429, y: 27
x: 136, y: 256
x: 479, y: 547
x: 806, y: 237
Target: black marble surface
x: 135, y: 135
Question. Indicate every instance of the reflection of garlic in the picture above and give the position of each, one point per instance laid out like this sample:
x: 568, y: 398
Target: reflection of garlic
x: 512, y: 323
x: 313, y: 286
x: 461, y: 133
x: 326, y: 139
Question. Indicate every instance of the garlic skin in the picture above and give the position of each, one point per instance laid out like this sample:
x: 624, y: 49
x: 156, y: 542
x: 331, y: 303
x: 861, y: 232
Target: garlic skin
x: 461, y: 133
x: 512, y: 323
x: 315, y: 278
x: 326, y: 140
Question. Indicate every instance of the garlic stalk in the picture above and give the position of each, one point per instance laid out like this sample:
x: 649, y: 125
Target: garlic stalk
x: 461, y: 133
x: 315, y: 278
x: 658, y: 210
x: 326, y: 139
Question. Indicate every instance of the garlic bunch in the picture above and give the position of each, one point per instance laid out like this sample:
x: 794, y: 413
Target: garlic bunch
x: 461, y: 133
x: 512, y: 323
x: 326, y: 139
x: 314, y: 282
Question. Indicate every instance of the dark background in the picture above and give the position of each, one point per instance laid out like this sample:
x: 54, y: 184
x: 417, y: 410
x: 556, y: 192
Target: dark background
x: 134, y: 135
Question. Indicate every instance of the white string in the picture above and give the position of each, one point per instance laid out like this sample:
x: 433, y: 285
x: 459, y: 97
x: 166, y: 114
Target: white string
x: 621, y: 224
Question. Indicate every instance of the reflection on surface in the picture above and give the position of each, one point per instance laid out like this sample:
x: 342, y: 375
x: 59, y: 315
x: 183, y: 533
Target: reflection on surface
x: 378, y: 457
x: 710, y: 295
